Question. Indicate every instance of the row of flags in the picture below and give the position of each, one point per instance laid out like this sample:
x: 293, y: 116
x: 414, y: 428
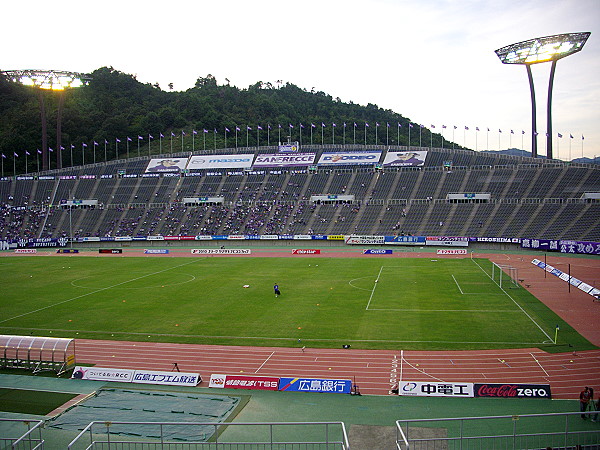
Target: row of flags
x: 279, y: 126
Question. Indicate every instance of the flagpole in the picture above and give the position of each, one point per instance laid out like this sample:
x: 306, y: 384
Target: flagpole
x: 268, y: 135
x: 387, y: 133
x: 193, y: 140
x: 344, y: 131
x: 182, y: 135
x: 312, y: 125
x: 236, y: 142
x: 116, y: 151
x: 332, y: 133
x: 365, y: 134
x: 409, y: 127
x: 354, y: 135
x: 171, y: 141
x: 37, y: 159
x: 225, y: 137
x: 160, y: 136
x: 95, y: 144
x: 376, y: 131
x: 26, y: 153
x: 83, y: 153
x: 215, y: 137
x: 105, y: 157
x: 127, y: 146
x: 14, y: 164
x: 149, y: 141
x: 398, y: 143
x: 322, y: 132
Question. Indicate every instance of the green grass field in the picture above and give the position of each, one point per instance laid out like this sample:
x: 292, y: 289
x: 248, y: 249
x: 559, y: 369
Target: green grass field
x: 32, y: 402
x: 326, y: 302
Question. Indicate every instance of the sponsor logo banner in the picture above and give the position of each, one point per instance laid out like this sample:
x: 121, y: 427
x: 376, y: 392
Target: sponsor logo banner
x: 26, y: 250
x: 233, y: 237
x: 512, y: 390
x: 167, y: 378
x: 447, y: 241
x: 221, y: 251
x: 110, y: 250
x: 347, y: 158
x: 588, y: 289
x: 156, y: 251
x: 41, y: 242
x: 377, y: 252
x: 364, y: 240
x: 91, y: 239
x: 315, y: 385
x: 155, y: 238
x: 405, y: 158
x: 451, y: 251
x: 203, y: 238
x: 305, y: 237
x: 562, y: 246
x: 289, y: 148
x: 288, y: 160
x: 67, y: 250
x: 241, y: 161
x: 318, y: 237
x: 244, y: 382
x: 336, y: 237
x: 166, y: 165
x: 123, y: 238
x: 496, y: 239
x: 269, y: 237
x: 171, y: 238
x: 306, y: 251
x: 436, y: 389
x: 405, y: 240
x: 102, y: 374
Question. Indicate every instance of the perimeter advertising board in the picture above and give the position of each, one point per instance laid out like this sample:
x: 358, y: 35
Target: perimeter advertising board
x: 412, y: 158
x: 242, y: 161
x: 244, y: 382
x: 284, y: 160
x: 315, y: 385
x: 349, y: 158
x: 436, y: 389
x: 508, y: 390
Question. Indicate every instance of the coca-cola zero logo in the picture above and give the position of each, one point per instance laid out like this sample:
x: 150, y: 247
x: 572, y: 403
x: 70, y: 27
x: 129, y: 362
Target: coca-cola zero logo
x: 513, y: 390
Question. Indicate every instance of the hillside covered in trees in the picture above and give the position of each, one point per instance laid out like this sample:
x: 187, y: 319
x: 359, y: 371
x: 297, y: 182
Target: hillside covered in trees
x: 115, y: 106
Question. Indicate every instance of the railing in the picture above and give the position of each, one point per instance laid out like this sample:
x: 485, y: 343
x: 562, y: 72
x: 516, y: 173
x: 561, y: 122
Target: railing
x: 30, y: 440
x: 527, y: 431
x: 238, y: 435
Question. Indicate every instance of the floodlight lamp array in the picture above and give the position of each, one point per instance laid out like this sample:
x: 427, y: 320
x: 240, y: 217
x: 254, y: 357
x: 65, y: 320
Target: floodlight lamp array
x: 55, y: 80
x: 543, y: 49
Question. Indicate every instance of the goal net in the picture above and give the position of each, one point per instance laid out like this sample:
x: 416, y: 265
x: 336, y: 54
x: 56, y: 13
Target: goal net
x: 505, y: 276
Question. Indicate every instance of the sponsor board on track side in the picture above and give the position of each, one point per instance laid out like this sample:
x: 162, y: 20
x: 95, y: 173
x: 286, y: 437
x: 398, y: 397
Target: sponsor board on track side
x: 435, y: 389
x: 508, y: 390
x: 244, y: 382
x: 451, y: 251
x: 25, y: 250
x: 306, y: 251
x: 221, y: 251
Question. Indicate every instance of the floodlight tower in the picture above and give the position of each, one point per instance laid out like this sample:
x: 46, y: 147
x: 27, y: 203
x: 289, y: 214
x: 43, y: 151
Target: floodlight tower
x: 53, y: 80
x: 539, y: 50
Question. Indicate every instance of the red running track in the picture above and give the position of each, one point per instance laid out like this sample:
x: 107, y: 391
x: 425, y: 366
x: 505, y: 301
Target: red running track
x: 374, y: 371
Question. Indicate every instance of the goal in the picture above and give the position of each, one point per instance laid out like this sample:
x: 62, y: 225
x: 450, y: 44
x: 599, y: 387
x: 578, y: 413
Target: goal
x: 505, y: 276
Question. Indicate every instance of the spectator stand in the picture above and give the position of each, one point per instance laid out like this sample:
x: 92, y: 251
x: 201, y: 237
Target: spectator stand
x: 37, y: 353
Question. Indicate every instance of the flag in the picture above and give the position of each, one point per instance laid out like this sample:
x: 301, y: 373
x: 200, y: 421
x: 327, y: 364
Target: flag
x: 523, y: 132
x: 215, y: 131
x: 301, y: 126
x: 559, y: 135
x: 269, y: 127
x: 141, y: 138
x: 535, y: 133
x: 83, y: 144
x: 95, y: 143
x: 388, y: 124
x: 422, y: 126
x: 366, y: 124
x: 410, y: 125
x: 51, y: 150
x: 499, y: 130
x: 227, y: 130
x: 399, y: 125
x: 27, y: 153
x: 279, y: 125
x: 105, y: 141
x: 444, y: 126
x: 476, y: 128
x: 322, y: 125
x: 432, y: 126
x: 131, y: 140
x: 162, y: 135
x: 39, y: 151
x: 172, y: 134
x: 512, y: 132
x: 237, y: 128
x: 150, y: 136
x: 194, y: 132
x: 344, y: 124
x: 313, y: 125
x: 72, y: 146
x: 467, y: 128
x: 206, y: 131
x: 116, y: 139
x: 376, y: 124
x: 333, y: 125
x: 259, y: 127
x: 182, y: 133
x: 62, y: 148
x: 355, y: 125
x: 291, y: 126
x: 15, y: 153
x: 571, y: 136
x: 4, y: 156
x: 582, y: 138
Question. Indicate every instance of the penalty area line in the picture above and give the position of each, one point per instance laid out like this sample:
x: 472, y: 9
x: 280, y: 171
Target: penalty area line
x: 374, y: 286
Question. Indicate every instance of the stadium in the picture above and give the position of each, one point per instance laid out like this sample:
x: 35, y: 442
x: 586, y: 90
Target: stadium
x: 400, y: 269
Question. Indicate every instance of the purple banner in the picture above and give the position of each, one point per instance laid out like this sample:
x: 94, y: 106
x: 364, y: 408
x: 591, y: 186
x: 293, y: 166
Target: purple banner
x: 562, y: 246
x: 285, y: 160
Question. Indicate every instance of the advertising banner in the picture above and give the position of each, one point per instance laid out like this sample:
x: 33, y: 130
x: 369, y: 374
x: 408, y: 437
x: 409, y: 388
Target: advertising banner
x: 377, y: 252
x: 336, y: 237
x: 156, y: 251
x: 405, y: 240
x: 242, y: 161
x: 364, y: 240
x: 244, y: 382
x: 25, y: 250
x: 451, y: 251
x: 447, y: 241
x: 588, y: 289
x: 112, y: 251
x: 166, y: 378
x: 285, y: 160
x: 306, y: 251
x: 102, y: 374
x: 411, y: 158
x: 41, y: 242
x: 315, y: 385
x: 436, y: 389
x: 155, y: 238
x: 289, y: 148
x: 349, y: 158
x: 221, y: 251
x: 67, y: 250
x: 305, y: 237
x: 512, y: 390
x: 166, y: 165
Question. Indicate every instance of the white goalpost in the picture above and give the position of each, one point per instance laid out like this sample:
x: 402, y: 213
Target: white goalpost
x: 505, y: 276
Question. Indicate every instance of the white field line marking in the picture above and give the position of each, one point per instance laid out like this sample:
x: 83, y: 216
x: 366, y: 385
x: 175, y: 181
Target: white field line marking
x: 357, y: 287
x: 261, y: 366
x: 458, y: 285
x: 374, y: 286
x: 514, y: 301
x: 149, y: 333
x: 74, y: 283
x: 449, y: 310
x: 422, y: 371
x: 538, y: 363
x: 94, y: 292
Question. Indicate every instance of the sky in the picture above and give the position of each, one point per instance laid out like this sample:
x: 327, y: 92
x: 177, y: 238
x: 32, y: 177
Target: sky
x: 432, y: 61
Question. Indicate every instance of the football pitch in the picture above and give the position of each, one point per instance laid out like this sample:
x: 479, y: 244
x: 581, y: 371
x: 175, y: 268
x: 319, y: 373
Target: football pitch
x: 375, y: 303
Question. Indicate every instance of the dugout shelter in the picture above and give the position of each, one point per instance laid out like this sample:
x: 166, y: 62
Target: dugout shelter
x: 37, y: 353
